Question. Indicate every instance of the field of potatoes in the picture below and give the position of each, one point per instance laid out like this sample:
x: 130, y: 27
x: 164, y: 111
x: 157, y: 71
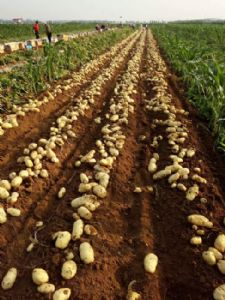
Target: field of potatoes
x: 110, y: 188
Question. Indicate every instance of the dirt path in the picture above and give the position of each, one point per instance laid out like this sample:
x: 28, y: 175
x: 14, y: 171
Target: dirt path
x: 129, y: 224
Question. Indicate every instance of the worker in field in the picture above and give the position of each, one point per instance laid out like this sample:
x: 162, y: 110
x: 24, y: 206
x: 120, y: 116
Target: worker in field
x: 48, y: 31
x: 36, y: 30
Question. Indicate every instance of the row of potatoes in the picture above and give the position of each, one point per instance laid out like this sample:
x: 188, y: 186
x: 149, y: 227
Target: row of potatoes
x: 45, y: 149
x: 84, y: 205
x: 176, y: 134
x: 77, y: 79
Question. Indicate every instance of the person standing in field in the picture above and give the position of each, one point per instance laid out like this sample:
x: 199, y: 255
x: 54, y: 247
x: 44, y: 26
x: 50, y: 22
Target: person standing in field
x: 48, y: 31
x: 36, y: 30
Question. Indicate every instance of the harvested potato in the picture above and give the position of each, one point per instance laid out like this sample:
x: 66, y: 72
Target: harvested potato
x: 216, y: 253
x: 192, y: 192
x: 83, y: 200
x: 39, y: 276
x: 221, y: 266
x: 150, y: 262
x: 62, y: 294
x: 3, y: 215
x: 200, y: 220
x: 78, y: 229
x: 209, y: 258
x: 9, y: 279
x: 90, y: 230
x: 219, y: 243
x: 69, y: 269
x: 62, y: 239
x: 3, y: 193
x: 46, y: 288
x: 86, y: 253
x: 61, y: 192
x: 16, y: 182
x: 196, y: 240
x: 14, y: 212
x: 99, y: 191
x: 219, y: 292
x: 84, y: 213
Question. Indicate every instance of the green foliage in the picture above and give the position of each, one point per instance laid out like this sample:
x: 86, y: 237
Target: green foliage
x: 196, y: 53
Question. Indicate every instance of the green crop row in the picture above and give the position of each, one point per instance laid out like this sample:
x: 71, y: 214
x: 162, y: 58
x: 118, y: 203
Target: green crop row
x: 20, y: 32
x: 52, y: 63
x: 197, y: 53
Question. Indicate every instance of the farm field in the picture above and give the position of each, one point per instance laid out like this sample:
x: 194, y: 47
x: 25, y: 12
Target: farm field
x: 111, y: 187
x: 18, y: 32
x: 198, y: 60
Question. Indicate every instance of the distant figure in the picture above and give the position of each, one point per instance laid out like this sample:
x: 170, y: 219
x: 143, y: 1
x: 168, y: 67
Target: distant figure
x: 48, y: 31
x: 97, y: 27
x: 102, y: 27
x: 36, y: 30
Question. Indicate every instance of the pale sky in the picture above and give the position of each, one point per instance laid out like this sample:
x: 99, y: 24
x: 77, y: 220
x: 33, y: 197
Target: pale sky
x: 140, y: 10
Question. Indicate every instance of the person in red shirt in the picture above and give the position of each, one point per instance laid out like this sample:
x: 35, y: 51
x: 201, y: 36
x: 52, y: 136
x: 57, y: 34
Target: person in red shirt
x: 36, y: 30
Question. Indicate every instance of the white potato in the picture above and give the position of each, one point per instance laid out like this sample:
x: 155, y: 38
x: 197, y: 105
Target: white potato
x: 9, y: 279
x: 78, y: 229
x: 62, y: 294
x: 86, y: 253
x: 46, y: 288
x: 150, y: 262
x: 69, y: 269
x: 39, y: 276
x: 62, y: 239
x: 219, y: 243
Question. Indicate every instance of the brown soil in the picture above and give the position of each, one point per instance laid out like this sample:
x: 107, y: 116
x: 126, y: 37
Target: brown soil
x: 129, y: 225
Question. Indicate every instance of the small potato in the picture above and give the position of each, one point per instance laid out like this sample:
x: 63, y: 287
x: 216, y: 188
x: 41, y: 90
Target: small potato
x: 219, y: 292
x: 161, y: 174
x: 192, y: 193
x: 86, y: 253
x: 90, y: 230
x: 62, y: 294
x: 99, y: 191
x: 84, y: 178
x: 9, y: 279
x: 196, y: 240
x: 14, y: 212
x: 221, y: 266
x: 200, y: 220
x: 3, y: 215
x: 84, y: 213
x: 62, y: 239
x: 78, y: 229
x: 5, y: 184
x: 83, y: 200
x: 24, y: 174
x: 216, y: 253
x: 46, y: 288
x: 152, y: 166
x: 44, y: 173
x: 61, y: 192
x: 209, y: 258
x: 39, y: 276
x: 150, y: 262
x: 69, y: 269
x: 219, y: 243
x: 16, y: 182
x: 3, y: 193
x: 13, y: 198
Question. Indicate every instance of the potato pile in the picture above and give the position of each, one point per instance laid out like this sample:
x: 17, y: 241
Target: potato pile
x: 31, y: 161
x: 175, y: 134
x: 77, y: 79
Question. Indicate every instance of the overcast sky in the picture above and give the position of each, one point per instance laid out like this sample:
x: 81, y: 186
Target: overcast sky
x: 140, y: 10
